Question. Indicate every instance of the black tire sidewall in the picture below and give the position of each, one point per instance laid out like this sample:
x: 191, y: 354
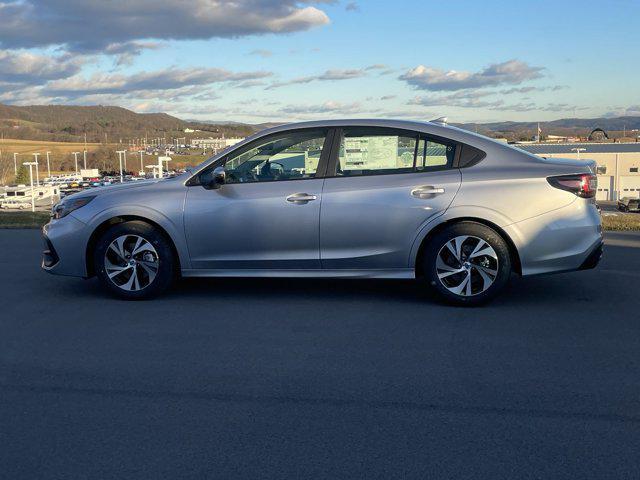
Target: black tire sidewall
x: 479, y: 230
x: 166, y: 267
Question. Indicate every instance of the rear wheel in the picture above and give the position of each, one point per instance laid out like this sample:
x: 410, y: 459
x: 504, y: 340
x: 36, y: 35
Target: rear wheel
x: 134, y: 261
x: 467, y: 263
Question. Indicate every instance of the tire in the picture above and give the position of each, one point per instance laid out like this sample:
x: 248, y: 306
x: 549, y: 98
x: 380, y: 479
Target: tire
x: 478, y: 274
x: 153, y: 261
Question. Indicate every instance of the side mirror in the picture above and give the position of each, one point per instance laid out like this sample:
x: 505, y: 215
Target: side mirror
x: 218, y: 178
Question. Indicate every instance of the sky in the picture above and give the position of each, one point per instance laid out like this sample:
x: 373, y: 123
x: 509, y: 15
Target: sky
x: 264, y: 60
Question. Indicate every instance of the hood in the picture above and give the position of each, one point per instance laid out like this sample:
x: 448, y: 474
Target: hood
x: 96, y: 191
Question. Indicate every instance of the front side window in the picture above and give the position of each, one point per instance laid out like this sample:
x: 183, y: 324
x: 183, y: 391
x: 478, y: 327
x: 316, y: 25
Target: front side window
x: 379, y: 151
x: 288, y: 156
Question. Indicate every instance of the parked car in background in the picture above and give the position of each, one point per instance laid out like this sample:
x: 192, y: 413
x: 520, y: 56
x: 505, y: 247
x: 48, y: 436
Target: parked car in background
x: 629, y: 204
x: 343, y: 198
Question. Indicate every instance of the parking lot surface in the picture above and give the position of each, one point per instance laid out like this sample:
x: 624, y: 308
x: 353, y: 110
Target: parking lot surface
x: 298, y: 378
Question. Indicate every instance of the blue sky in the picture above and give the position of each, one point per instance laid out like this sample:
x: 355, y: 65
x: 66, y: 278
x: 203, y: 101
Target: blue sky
x: 265, y: 60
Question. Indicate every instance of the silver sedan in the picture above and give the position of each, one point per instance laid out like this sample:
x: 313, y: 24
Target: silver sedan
x: 347, y: 198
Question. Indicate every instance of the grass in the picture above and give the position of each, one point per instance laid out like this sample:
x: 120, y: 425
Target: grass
x: 27, y: 147
x: 23, y: 219
x: 621, y: 222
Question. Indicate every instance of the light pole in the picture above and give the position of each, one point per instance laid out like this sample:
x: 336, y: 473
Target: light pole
x: 15, y: 164
x: 75, y: 157
x: 48, y: 166
x: 120, y: 153
x: 36, y: 155
x: 33, y: 200
x: 84, y: 157
x: 578, y: 150
x: 124, y: 155
x: 141, y: 162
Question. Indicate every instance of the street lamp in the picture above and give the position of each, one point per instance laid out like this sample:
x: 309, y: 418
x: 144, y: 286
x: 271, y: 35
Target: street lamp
x: 33, y: 200
x: 37, y: 169
x: 75, y: 157
x: 120, y: 153
x: 48, y: 166
x: 578, y: 150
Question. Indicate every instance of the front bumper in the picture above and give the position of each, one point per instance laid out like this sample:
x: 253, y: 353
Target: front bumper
x: 65, y: 243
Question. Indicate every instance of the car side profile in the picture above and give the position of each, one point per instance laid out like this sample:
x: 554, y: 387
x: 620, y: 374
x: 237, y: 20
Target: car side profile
x: 340, y: 198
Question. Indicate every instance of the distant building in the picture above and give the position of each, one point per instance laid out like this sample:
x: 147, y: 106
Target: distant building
x: 215, y: 144
x: 618, y: 164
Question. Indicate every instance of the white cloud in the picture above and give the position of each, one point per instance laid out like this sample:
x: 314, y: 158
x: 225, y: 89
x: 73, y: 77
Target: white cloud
x: 92, y: 25
x: 326, y: 107
x: 511, y: 72
x: 31, y: 69
x: 170, y: 79
x: 329, y: 75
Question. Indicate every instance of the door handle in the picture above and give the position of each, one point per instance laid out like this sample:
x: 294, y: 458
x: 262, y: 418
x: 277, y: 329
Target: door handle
x: 301, y: 198
x: 426, y: 192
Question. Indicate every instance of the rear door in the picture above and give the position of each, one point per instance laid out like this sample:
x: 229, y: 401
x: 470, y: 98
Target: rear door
x: 383, y: 185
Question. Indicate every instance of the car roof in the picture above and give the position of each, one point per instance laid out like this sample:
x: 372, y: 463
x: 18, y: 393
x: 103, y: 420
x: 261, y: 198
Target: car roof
x: 433, y: 128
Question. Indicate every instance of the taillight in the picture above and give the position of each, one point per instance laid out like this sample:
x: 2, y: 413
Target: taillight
x: 583, y: 185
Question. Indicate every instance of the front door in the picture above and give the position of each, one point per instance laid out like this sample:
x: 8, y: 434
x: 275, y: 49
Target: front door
x: 387, y: 185
x: 267, y: 213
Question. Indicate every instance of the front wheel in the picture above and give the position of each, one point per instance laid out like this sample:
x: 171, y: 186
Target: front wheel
x: 134, y: 261
x: 467, y: 263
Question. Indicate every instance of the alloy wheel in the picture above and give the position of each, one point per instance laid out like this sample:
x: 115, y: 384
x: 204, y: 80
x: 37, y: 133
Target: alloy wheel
x: 467, y: 265
x: 131, y: 262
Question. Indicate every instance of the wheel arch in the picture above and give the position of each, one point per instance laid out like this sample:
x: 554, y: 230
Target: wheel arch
x: 106, y: 224
x: 513, y: 251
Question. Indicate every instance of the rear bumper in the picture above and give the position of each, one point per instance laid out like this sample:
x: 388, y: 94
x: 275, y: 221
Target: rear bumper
x: 566, y: 239
x: 594, y: 258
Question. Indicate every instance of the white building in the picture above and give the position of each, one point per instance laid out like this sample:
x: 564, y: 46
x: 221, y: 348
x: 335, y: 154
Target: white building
x: 618, y: 164
x: 215, y: 144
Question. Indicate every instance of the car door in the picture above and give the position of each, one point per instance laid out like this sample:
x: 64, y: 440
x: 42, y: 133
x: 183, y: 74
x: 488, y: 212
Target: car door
x: 383, y: 185
x: 266, y: 214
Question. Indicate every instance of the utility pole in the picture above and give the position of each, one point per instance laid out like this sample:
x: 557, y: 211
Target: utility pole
x: 124, y: 154
x: 75, y: 156
x: 36, y: 155
x: 15, y: 164
x: 48, y: 167
x: 33, y: 200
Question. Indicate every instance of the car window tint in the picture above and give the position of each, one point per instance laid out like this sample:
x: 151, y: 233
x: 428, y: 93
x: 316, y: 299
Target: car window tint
x: 284, y: 157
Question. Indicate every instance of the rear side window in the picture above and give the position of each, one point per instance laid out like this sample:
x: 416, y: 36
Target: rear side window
x: 433, y: 154
x: 380, y: 151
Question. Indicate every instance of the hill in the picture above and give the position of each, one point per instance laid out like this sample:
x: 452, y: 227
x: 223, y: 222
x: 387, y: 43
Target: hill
x: 99, y: 123
x: 615, y: 127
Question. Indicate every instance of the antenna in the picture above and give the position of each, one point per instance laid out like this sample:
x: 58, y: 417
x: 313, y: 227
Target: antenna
x: 440, y: 120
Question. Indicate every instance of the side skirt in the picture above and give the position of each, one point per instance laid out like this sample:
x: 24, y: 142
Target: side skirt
x: 387, y: 273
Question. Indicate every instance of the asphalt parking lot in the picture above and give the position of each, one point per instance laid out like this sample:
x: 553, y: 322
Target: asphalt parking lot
x: 319, y: 378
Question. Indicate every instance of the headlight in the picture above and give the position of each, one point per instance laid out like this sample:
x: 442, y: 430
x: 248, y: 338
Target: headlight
x: 65, y: 207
